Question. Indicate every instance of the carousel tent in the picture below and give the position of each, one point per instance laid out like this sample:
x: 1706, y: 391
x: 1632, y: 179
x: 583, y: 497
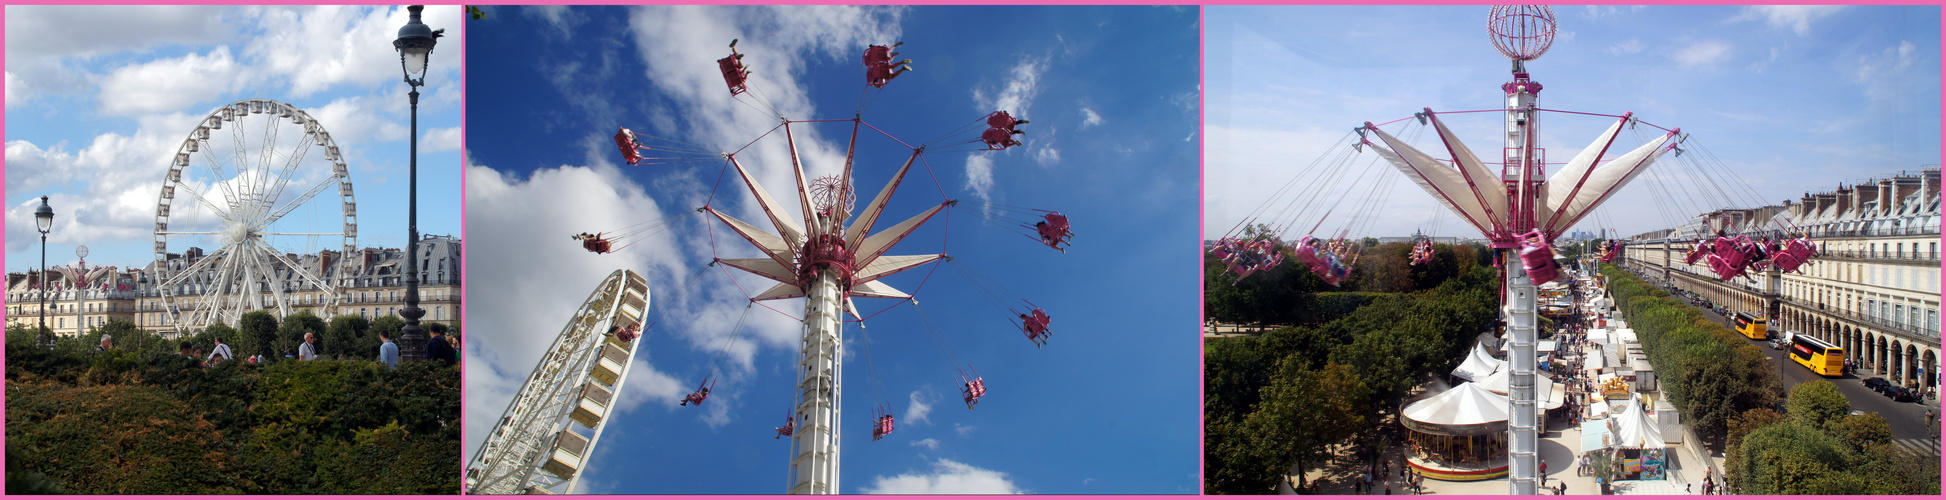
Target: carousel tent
x: 1478, y: 364
x: 1551, y: 394
x: 1633, y: 429
x: 1465, y: 405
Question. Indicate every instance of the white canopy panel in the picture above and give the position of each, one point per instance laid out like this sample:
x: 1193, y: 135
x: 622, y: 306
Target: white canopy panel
x: 1464, y: 404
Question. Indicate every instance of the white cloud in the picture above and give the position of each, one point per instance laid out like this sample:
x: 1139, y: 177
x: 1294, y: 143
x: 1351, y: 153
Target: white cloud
x: 918, y: 409
x: 979, y: 176
x: 53, y: 30
x: 929, y: 443
x: 1796, y: 17
x: 963, y: 430
x: 1629, y: 47
x: 1089, y: 118
x: 315, y: 48
x: 947, y: 477
x: 16, y: 90
x: 1703, y: 53
x: 439, y: 139
x: 171, y: 84
x: 1047, y: 156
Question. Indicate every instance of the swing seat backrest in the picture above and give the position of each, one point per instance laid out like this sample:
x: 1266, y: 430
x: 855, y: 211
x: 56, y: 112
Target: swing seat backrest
x: 877, y: 55
x: 1801, y: 248
x: 1723, y: 268
x: 1057, y: 221
x: 1001, y: 120
x: 733, y: 73
x: 996, y: 138
x: 596, y: 245
x: 1786, y: 261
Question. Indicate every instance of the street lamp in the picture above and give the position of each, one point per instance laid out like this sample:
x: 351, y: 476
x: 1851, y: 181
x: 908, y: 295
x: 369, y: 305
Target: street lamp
x: 44, y: 220
x: 415, y: 44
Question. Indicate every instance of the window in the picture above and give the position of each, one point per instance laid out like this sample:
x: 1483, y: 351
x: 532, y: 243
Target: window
x: 439, y: 312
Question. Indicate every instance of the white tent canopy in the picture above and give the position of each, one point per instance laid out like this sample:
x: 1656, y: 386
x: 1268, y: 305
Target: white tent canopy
x: 1634, y: 430
x: 1464, y: 404
x: 1552, y: 394
x: 1478, y: 364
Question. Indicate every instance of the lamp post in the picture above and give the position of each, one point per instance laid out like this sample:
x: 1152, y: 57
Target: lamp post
x: 44, y: 220
x: 414, y: 45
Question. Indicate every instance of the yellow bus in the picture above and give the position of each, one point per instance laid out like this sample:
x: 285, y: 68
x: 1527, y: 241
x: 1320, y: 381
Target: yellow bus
x: 1753, y: 327
x: 1821, y: 357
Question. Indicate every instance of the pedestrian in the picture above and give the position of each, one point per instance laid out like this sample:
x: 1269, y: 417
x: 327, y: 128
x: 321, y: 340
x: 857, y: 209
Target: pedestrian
x: 221, y: 352
x: 307, y: 351
x: 437, y: 349
x: 388, y: 352
x: 107, y: 342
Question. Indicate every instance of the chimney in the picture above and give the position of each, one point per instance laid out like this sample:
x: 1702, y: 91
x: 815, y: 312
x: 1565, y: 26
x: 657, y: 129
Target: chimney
x: 1846, y: 206
x: 1928, y: 186
x: 1861, y: 195
x: 1902, y: 188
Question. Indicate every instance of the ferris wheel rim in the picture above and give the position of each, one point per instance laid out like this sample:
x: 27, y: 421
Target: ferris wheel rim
x: 250, y: 194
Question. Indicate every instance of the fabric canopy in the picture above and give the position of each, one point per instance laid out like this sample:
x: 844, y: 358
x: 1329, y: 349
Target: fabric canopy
x: 1551, y: 394
x: 1478, y: 364
x: 1466, y: 404
x: 1633, y: 429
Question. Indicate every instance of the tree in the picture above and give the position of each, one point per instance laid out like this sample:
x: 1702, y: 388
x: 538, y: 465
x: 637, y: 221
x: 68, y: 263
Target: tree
x: 261, y: 330
x: 1750, y: 421
x: 295, y: 326
x: 350, y: 336
x: 1862, y: 433
x: 1785, y: 459
x: 390, y: 326
x: 1304, y: 414
x: 1818, y: 405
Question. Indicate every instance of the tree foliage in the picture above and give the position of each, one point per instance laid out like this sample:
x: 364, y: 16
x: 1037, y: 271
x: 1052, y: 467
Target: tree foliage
x: 1284, y: 399
x: 1711, y: 373
x: 1820, y: 450
x: 142, y: 419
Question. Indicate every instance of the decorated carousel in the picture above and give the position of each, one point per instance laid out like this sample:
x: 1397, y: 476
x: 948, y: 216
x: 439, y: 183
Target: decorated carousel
x: 1459, y: 434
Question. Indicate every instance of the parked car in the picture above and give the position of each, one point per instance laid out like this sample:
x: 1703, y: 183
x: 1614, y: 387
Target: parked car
x: 1900, y: 394
x: 1875, y: 383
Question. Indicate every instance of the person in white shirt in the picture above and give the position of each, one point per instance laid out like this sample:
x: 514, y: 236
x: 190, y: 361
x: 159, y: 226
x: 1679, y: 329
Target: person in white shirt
x: 221, y: 352
x: 305, y: 351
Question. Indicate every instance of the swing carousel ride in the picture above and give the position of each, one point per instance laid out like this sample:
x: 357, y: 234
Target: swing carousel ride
x: 1520, y: 209
x: 827, y: 254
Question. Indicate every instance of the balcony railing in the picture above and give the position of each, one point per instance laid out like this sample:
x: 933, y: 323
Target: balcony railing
x: 1859, y: 319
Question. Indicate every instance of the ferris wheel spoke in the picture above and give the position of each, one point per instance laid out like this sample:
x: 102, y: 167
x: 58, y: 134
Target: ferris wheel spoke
x: 217, y: 177
x: 189, y: 232
x: 300, y: 201
x: 290, y: 168
x: 305, y: 274
x: 198, y: 195
x: 270, y: 278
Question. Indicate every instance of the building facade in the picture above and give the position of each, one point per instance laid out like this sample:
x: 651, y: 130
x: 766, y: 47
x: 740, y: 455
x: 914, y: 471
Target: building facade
x: 1873, y: 288
x: 371, y: 285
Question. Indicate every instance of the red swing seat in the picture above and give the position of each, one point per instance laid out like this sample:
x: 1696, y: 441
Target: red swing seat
x: 631, y: 151
x: 597, y: 245
x: 972, y: 391
x: 735, y: 74
x: 1538, y: 260
x: 881, y: 427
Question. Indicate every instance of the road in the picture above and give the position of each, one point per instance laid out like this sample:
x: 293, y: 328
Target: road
x: 1908, y: 420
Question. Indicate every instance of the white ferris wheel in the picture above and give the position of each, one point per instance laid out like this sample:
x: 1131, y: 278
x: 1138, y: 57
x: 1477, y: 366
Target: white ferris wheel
x: 261, y: 189
x: 551, y: 427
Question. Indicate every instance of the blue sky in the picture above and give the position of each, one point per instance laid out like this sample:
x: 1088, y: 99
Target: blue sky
x: 95, y: 115
x: 1789, y: 99
x: 1110, y: 406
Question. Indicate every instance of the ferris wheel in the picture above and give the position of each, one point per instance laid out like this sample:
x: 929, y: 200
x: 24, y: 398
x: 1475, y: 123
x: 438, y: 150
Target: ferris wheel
x: 254, y: 199
x: 552, y: 425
